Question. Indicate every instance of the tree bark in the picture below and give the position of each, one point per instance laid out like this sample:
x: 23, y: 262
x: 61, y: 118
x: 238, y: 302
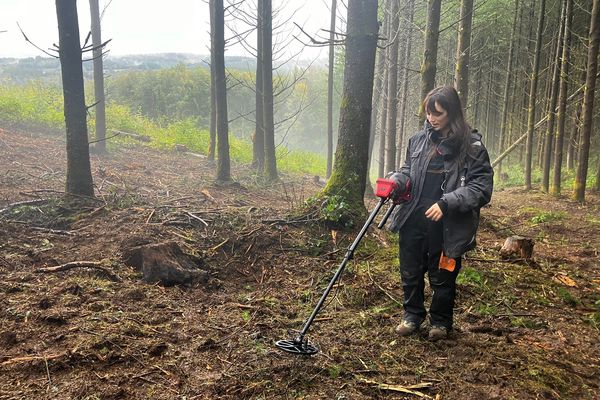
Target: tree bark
x: 218, y: 48
x: 553, y: 100
x: 404, y: 80
x: 79, y: 174
x: 269, y: 125
x: 532, y: 96
x: 212, y: 144
x: 330, y: 89
x: 258, y: 147
x: 392, y: 98
x: 461, y: 77
x: 429, y: 66
x: 348, y: 178
x: 100, y: 145
x: 588, y: 103
x: 562, y: 100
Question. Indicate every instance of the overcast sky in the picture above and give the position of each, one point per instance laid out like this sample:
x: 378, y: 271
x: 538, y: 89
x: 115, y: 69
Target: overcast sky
x: 145, y: 26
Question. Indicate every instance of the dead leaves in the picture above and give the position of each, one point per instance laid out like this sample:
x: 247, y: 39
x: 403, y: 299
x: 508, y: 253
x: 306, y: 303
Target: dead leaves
x: 565, y: 280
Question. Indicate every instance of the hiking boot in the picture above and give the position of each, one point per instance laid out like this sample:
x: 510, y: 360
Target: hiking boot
x: 437, y: 333
x: 407, y: 328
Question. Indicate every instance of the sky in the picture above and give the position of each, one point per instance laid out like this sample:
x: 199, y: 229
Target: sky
x: 148, y: 26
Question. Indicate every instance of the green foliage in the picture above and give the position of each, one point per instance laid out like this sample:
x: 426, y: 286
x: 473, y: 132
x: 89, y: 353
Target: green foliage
x: 469, y: 276
x: 34, y: 104
x: 42, y: 106
x: 334, y: 370
x: 594, y: 318
x: 522, y: 322
x: 567, y: 297
x: 246, y: 315
x: 334, y: 209
x: 487, y: 309
x: 514, y: 176
x: 548, y: 216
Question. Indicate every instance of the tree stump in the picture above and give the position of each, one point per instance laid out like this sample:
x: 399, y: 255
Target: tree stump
x: 517, y: 247
x: 166, y: 264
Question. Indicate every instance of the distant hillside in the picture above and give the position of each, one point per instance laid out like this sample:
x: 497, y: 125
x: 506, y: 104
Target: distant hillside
x: 21, y: 70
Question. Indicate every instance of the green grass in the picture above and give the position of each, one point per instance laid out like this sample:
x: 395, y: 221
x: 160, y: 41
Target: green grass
x: 469, y: 276
x: 514, y: 176
x: 42, y: 106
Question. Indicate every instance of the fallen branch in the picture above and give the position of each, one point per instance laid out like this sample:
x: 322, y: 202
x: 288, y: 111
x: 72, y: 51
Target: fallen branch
x: 195, y: 217
x: 53, y: 231
x: 402, y: 389
x: 17, y: 360
x: 82, y: 264
x: 24, y: 203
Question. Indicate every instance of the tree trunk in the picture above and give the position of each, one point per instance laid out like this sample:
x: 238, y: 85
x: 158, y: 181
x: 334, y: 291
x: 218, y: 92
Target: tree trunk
x: 588, y: 104
x: 429, y: 67
x: 377, y: 95
x: 348, y: 178
x: 381, y: 161
x: 218, y: 48
x: 549, y: 145
x: 532, y: 96
x: 100, y: 145
x: 269, y: 126
x: 213, y: 98
x: 562, y: 100
x: 404, y: 81
x: 330, y: 89
x: 575, y: 132
x: 463, y: 52
x: 258, y: 142
x: 392, y: 103
x: 79, y: 173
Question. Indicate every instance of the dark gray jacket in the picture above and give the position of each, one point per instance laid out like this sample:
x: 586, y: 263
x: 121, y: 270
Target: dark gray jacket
x: 467, y: 187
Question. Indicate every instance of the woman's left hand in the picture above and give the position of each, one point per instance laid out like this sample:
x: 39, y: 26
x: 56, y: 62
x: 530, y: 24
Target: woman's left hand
x: 434, y: 213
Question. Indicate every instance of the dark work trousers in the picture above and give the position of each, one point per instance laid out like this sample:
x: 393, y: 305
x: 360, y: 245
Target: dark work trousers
x: 420, y: 251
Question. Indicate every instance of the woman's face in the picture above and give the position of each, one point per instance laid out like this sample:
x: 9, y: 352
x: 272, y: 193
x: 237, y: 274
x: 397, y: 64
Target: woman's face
x: 438, y: 118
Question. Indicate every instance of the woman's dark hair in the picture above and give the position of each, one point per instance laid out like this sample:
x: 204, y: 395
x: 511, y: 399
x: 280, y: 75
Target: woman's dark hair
x: 447, y: 98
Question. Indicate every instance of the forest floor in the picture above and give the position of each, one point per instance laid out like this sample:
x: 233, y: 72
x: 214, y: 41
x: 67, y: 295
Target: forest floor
x: 523, y: 330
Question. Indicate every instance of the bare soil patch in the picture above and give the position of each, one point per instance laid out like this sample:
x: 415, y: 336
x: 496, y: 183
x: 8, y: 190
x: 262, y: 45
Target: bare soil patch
x: 523, y: 331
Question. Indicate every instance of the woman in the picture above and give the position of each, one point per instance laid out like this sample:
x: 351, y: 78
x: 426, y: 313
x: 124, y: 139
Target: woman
x: 451, y: 179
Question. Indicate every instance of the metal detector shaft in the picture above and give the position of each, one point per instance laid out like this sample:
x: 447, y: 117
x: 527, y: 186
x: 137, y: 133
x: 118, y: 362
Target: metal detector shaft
x: 347, y: 257
x: 386, y: 216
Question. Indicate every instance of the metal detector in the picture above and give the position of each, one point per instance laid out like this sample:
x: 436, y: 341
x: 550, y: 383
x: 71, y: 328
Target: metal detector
x: 300, y: 345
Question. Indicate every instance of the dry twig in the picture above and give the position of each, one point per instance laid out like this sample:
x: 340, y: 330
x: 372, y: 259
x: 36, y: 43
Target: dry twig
x: 82, y: 264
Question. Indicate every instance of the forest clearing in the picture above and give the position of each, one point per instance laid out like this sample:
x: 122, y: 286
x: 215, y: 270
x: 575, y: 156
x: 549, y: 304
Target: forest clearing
x: 174, y: 216
x: 523, y: 331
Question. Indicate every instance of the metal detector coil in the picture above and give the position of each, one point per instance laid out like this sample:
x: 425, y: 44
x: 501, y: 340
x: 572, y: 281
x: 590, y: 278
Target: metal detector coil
x: 301, y: 346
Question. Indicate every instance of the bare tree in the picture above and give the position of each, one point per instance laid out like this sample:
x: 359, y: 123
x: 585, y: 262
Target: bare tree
x: 588, y: 103
x: 98, y: 78
x: 547, y: 158
x: 330, y: 89
x: 392, y: 116
x: 218, y: 49
x: 532, y: 96
x: 463, y: 52
x: 562, y: 99
x: 429, y: 66
x: 404, y: 80
x: 267, y: 87
x: 259, y: 130
x: 79, y: 175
